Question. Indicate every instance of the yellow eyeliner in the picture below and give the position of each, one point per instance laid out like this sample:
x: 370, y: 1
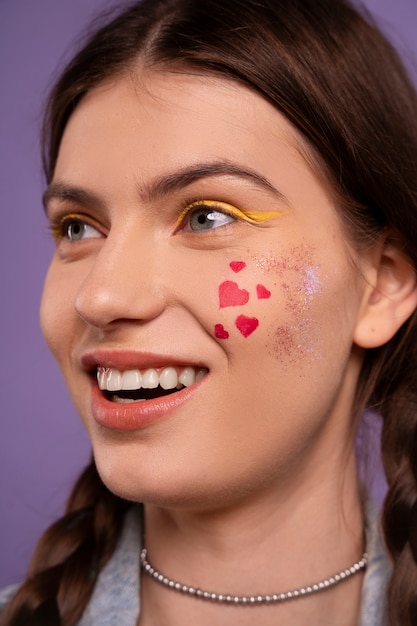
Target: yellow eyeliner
x: 252, y: 217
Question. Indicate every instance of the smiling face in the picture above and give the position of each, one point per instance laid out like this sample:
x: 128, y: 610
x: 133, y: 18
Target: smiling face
x: 197, y: 249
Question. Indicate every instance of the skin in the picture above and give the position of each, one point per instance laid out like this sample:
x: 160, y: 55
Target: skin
x: 258, y: 466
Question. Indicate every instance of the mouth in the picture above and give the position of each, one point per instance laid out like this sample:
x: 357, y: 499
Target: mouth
x: 136, y: 385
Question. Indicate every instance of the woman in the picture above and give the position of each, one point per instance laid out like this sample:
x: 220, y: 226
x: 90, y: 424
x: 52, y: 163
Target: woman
x: 232, y: 191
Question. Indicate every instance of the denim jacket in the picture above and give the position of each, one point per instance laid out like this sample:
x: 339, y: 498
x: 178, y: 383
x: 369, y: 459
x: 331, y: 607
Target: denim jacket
x: 115, y: 599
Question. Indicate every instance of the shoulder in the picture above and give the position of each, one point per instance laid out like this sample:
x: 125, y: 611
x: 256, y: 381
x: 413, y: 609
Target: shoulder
x: 7, y: 594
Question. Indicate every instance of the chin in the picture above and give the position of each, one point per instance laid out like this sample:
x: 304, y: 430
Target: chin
x: 136, y: 481
x: 164, y: 487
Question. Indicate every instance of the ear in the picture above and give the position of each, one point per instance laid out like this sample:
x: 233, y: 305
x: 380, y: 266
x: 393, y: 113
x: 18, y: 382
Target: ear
x: 390, y: 296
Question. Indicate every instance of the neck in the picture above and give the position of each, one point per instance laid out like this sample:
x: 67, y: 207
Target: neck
x: 276, y: 541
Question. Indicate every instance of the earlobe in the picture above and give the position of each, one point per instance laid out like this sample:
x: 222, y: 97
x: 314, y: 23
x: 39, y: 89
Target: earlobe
x: 389, y: 299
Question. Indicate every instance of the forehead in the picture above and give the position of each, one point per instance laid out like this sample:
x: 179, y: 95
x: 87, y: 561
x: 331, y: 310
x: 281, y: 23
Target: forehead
x: 186, y: 112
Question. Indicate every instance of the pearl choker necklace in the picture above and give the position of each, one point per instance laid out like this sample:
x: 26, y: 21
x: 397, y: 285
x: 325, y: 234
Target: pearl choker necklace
x: 252, y: 600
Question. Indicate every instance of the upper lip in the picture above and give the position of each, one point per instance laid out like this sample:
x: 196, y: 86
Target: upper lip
x: 126, y: 359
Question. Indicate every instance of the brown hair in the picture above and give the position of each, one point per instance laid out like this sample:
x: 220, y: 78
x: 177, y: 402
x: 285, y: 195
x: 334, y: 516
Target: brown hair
x: 337, y: 79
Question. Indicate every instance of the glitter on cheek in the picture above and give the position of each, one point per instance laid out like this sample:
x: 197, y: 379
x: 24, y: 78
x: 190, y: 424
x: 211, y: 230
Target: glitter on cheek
x: 298, y: 303
x: 311, y: 282
x: 298, y: 337
x: 283, y: 343
x: 298, y: 260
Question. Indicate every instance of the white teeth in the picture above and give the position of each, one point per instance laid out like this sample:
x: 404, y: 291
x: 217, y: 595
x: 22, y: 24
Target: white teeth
x: 187, y: 376
x: 101, y: 378
x: 168, y: 378
x: 113, y: 380
x: 131, y: 379
x: 150, y: 379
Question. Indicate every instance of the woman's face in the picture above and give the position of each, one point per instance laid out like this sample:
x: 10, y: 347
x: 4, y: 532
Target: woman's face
x: 200, y: 259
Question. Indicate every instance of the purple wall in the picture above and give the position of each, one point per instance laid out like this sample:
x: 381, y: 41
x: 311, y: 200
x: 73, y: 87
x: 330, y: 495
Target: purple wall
x: 42, y: 443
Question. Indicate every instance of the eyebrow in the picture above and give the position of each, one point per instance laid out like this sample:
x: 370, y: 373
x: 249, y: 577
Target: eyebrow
x: 61, y: 191
x: 167, y: 184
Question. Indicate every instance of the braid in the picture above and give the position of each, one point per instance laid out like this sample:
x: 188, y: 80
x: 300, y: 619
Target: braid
x: 69, y: 556
x: 400, y: 512
x: 396, y: 399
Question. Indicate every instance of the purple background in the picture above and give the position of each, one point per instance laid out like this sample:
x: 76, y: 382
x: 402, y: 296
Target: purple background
x: 42, y: 443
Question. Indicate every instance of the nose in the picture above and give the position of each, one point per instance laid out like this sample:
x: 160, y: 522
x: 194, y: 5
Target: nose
x: 123, y: 282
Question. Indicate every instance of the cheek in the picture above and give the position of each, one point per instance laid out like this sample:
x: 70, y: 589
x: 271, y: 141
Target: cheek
x: 54, y: 313
x: 297, y: 337
x: 312, y: 306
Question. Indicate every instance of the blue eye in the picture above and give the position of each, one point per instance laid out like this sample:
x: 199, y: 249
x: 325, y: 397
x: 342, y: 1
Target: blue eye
x: 207, y: 219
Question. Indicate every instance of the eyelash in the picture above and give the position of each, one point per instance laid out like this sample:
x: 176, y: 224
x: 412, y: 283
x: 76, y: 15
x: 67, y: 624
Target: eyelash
x: 60, y: 227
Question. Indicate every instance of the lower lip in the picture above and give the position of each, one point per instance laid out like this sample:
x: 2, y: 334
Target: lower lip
x: 136, y: 415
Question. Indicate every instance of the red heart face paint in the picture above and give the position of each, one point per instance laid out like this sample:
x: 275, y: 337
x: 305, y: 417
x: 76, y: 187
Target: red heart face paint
x: 262, y: 292
x: 246, y: 325
x: 231, y: 295
x: 220, y: 332
x: 237, y: 266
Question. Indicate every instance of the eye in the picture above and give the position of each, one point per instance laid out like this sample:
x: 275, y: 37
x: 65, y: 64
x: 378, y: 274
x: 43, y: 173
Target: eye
x: 73, y: 228
x: 206, y: 219
x: 76, y: 229
x: 201, y: 216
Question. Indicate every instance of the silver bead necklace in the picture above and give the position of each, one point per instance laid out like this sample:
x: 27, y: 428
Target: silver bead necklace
x: 252, y: 600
